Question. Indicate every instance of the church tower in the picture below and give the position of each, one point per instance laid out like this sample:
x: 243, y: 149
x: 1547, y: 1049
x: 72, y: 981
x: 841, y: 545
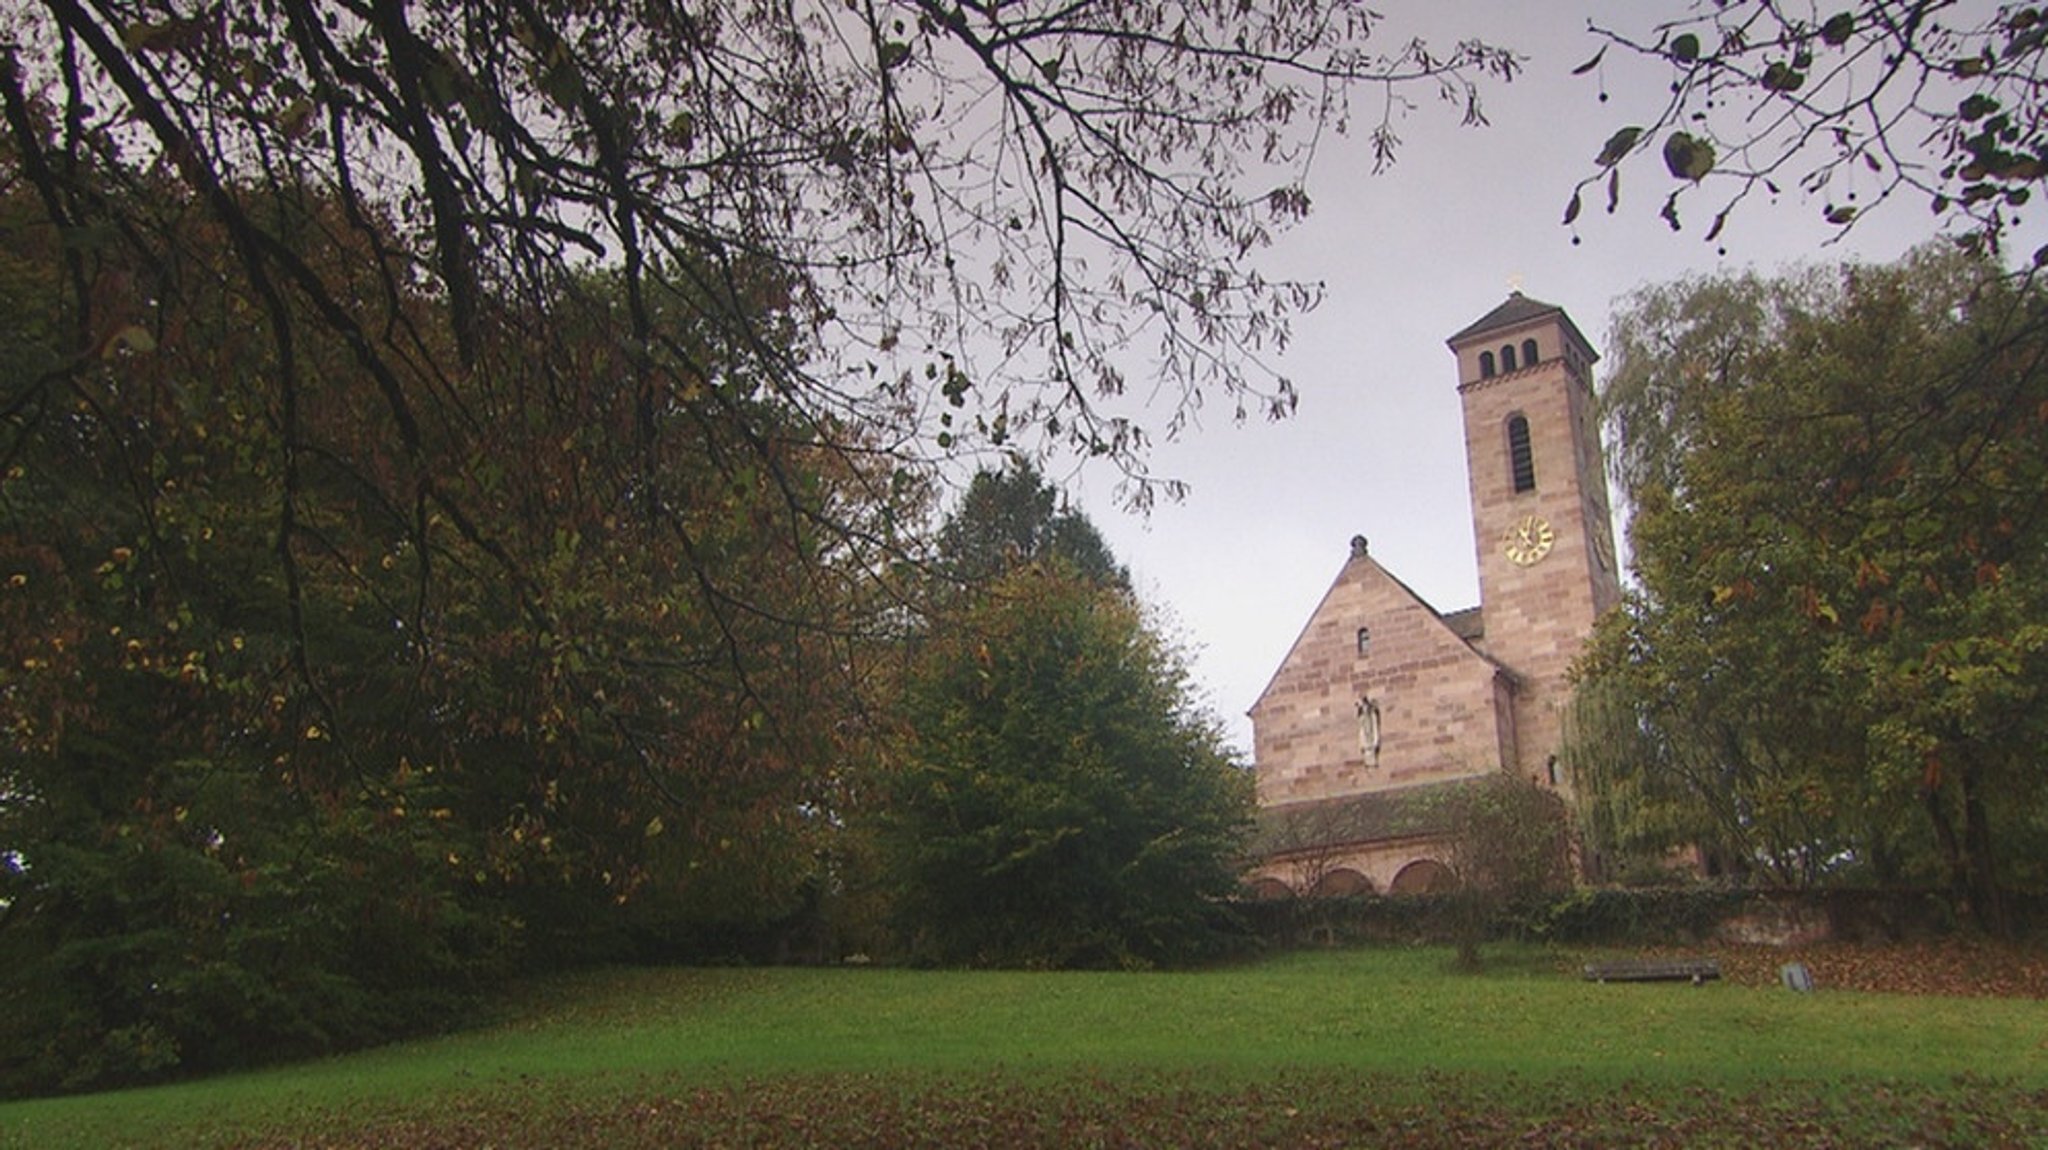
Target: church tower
x: 1384, y: 703
x: 1540, y: 513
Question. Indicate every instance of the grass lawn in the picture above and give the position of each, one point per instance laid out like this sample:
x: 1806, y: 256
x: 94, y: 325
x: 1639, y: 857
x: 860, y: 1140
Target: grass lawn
x: 1335, y: 1047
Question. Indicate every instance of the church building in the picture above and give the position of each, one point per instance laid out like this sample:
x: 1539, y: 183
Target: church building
x: 1384, y: 700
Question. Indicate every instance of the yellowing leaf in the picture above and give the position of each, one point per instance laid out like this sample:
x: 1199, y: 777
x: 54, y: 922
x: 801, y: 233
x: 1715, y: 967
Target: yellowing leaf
x: 1687, y: 157
x: 1618, y: 145
x: 296, y: 117
x: 134, y: 337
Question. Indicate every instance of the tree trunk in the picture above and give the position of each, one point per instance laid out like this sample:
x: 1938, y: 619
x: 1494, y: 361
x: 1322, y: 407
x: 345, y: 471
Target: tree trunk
x: 1884, y: 860
x: 1986, y: 901
x: 1951, y: 847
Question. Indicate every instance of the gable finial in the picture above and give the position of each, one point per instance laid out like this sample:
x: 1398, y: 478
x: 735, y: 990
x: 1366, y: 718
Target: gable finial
x: 1515, y: 283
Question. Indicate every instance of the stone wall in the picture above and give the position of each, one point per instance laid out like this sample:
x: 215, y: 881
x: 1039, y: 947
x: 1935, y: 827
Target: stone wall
x: 1380, y: 866
x: 1538, y: 615
x: 1441, y: 704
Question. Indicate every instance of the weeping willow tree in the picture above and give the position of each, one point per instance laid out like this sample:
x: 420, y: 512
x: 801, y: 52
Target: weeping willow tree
x: 1833, y: 662
x: 1666, y: 780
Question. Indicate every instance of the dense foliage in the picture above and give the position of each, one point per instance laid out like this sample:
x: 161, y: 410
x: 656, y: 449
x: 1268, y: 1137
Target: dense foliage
x: 1835, y: 660
x: 1510, y: 848
x: 1011, y: 517
x: 1059, y: 801
x: 293, y: 764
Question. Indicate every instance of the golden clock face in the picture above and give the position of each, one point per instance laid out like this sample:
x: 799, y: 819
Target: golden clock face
x: 1528, y: 540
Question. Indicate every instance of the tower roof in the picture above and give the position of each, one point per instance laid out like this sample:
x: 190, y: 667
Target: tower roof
x: 1516, y: 311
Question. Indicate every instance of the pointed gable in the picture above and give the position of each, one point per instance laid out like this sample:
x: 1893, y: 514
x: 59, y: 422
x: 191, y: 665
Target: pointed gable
x: 1439, y: 701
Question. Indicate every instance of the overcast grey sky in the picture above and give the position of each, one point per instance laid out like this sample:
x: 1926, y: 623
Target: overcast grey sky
x: 1409, y: 257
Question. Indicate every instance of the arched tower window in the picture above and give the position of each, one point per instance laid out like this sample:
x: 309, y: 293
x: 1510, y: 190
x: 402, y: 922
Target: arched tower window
x: 1486, y: 365
x: 1507, y: 357
x: 1364, y: 642
x: 1529, y: 356
x: 1521, y: 459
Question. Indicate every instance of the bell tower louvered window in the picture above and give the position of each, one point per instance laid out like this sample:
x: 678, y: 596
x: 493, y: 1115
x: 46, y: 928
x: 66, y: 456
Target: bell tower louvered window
x: 1521, y: 459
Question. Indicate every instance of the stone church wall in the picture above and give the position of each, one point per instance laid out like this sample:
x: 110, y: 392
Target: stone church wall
x: 1381, y: 696
x: 1537, y: 616
x: 1438, y: 713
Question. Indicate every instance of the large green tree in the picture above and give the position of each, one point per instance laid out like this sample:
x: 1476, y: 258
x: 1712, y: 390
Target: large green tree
x: 1058, y: 800
x: 1835, y: 657
x: 283, y: 781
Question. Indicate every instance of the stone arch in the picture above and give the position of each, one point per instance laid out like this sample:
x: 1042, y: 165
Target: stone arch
x: 1423, y: 876
x: 1341, y: 882
x: 1507, y: 357
x: 1266, y: 888
x: 1486, y: 368
x: 1529, y: 353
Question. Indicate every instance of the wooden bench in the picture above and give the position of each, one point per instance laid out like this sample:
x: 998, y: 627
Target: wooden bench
x: 1693, y: 970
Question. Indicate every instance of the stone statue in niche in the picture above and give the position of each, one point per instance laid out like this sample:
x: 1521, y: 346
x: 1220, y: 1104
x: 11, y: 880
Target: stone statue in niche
x: 1369, y: 730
